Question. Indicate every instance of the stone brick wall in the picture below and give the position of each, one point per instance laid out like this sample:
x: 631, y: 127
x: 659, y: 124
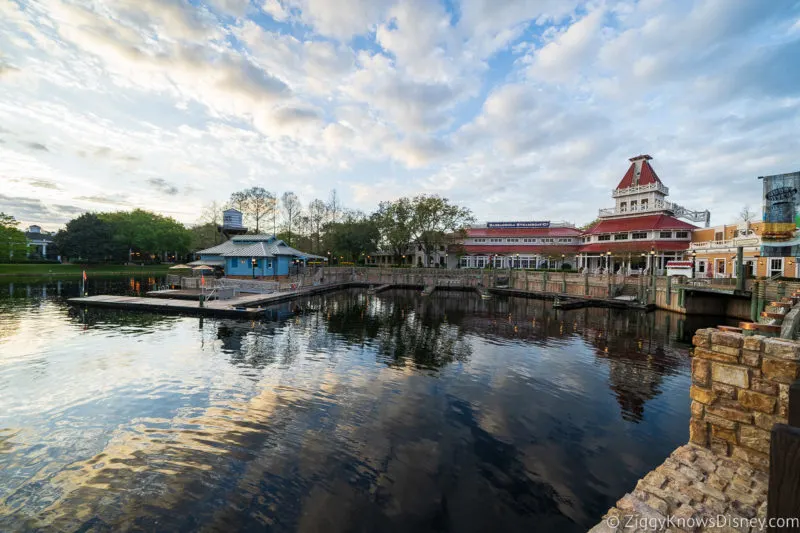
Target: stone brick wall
x: 740, y: 389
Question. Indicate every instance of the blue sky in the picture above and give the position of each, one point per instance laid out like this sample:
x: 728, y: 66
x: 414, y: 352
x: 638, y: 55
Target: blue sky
x: 518, y: 109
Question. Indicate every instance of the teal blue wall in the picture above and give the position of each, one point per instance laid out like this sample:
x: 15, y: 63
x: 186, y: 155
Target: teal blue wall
x: 242, y: 266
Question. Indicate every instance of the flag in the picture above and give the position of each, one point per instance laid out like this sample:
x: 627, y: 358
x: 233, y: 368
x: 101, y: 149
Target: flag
x: 84, y: 275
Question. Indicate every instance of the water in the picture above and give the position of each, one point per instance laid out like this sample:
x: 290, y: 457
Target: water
x: 393, y: 412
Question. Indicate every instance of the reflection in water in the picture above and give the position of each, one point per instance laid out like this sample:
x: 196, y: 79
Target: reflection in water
x: 340, y: 412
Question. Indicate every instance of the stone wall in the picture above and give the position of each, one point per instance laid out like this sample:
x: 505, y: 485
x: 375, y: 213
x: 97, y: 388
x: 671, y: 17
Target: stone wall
x: 740, y: 389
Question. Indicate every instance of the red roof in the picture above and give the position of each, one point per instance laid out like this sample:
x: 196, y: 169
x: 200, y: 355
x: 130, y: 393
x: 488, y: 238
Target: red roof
x: 524, y: 232
x: 647, y: 222
x: 647, y: 176
x: 521, y: 249
x: 636, y: 246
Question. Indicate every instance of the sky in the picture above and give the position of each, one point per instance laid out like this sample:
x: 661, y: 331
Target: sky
x: 517, y: 109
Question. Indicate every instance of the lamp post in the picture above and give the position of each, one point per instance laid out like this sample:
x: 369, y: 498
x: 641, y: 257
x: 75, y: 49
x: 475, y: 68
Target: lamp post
x: 329, y: 258
x: 445, y: 260
x: 516, y: 262
x: 652, y: 261
x: 608, y: 262
x: 694, y: 262
x: 253, y: 261
x: 562, y: 261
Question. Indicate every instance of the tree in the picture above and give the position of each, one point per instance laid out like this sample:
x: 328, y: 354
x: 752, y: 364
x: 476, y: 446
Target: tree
x: 255, y: 202
x: 352, y: 239
x: 395, y: 221
x: 433, y: 219
x: 291, y: 209
x: 13, y: 244
x: 210, y: 222
x: 204, y: 235
x: 746, y: 215
x: 87, y: 237
x: 334, y: 206
x: 316, y: 214
x: 146, y: 233
x: 589, y: 224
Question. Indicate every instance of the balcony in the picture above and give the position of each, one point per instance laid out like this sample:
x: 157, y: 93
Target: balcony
x: 660, y: 187
x: 655, y: 208
x: 730, y: 244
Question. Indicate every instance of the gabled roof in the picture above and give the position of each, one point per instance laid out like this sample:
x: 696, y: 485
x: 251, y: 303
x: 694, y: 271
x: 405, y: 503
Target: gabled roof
x: 633, y: 223
x: 647, y: 176
x: 255, y: 246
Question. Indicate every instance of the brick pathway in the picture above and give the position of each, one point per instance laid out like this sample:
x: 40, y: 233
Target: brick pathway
x: 693, y: 482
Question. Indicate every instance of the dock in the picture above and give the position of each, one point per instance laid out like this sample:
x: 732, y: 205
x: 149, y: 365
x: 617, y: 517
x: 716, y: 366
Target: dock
x: 187, y: 302
x: 249, y: 305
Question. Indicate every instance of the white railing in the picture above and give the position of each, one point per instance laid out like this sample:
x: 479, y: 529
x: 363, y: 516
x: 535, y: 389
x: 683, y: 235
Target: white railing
x: 641, y: 189
x: 657, y: 206
x: 728, y: 243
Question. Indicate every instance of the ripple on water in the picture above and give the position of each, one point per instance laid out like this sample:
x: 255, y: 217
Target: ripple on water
x: 393, y: 412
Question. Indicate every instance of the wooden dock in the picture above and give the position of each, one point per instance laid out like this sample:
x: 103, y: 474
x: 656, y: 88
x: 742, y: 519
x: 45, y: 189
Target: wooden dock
x: 243, y: 306
x: 250, y: 306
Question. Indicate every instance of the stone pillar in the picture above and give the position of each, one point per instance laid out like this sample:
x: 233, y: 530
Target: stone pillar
x: 740, y: 389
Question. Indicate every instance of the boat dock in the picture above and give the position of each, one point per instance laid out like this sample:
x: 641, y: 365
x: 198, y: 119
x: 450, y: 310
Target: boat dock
x: 250, y: 305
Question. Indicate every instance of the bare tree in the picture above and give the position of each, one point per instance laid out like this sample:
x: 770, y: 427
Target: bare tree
x: 291, y: 209
x: 746, y: 215
x: 212, y: 218
x: 334, y: 206
x: 255, y: 202
x: 316, y: 213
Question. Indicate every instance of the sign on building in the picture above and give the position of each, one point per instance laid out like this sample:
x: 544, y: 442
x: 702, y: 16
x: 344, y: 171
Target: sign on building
x: 780, y: 236
x: 529, y: 224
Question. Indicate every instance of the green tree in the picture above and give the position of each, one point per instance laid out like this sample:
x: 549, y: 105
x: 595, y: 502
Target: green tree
x: 146, y: 233
x: 352, y: 239
x: 395, y: 222
x: 437, y: 222
x: 87, y: 237
x: 13, y: 244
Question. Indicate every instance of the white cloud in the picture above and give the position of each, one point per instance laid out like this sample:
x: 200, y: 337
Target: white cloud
x: 526, y: 104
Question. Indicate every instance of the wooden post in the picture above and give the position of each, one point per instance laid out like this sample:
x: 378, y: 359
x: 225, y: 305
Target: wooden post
x: 783, y: 498
x: 740, y: 268
x: 794, y: 405
x: 669, y: 290
x: 754, y: 301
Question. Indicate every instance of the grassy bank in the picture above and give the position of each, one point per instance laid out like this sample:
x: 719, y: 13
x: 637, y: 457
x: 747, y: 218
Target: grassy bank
x: 66, y: 271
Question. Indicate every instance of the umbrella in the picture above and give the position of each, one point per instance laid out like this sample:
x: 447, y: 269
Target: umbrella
x: 203, y: 267
x: 180, y: 267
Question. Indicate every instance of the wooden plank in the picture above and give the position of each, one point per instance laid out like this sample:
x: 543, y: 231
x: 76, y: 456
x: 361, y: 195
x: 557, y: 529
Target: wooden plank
x: 794, y: 406
x: 783, y: 498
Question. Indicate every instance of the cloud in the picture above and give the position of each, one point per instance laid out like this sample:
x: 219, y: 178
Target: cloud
x: 33, y: 209
x: 163, y: 186
x: 111, y: 199
x: 36, y: 146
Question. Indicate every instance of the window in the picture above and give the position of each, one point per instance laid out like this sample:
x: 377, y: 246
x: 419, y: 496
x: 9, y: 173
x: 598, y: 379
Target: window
x: 644, y: 205
x: 665, y: 235
x: 528, y: 240
x: 681, y: 234
x: 464, y: 261
x: 604, y: 237
x: 639, y: 235
x: 564, y: 240
x: 633, y: 205
x: 621, y: 237
x: 512, y: 240
x: 718, y: 236
x: 623, y: 206
x: 479, y: 240
x: 775, y: 266
x: 548, y: 240
x: 481, y: 262
x: 495, y: 240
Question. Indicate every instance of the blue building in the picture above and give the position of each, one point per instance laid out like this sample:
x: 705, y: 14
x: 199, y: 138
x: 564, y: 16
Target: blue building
x: 253, y: 256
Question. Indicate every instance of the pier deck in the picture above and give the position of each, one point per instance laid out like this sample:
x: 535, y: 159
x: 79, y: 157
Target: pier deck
x: 252, y: 305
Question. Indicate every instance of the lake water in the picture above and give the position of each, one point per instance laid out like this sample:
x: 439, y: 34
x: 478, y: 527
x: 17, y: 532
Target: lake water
x: 394, y: 412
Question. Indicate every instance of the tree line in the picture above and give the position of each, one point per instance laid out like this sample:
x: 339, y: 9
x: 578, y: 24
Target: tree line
x: 322, y: 227
x: 326, y: 227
